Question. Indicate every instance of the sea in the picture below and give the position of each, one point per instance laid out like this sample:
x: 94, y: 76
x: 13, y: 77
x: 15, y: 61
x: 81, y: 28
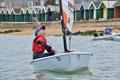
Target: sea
x: 16, y: 55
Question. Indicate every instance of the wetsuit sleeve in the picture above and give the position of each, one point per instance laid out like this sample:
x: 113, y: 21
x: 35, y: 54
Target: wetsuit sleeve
x: 47, y: 47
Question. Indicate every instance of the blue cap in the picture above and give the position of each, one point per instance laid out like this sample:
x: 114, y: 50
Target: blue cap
x: 37, y: 30
x: 42, y: 27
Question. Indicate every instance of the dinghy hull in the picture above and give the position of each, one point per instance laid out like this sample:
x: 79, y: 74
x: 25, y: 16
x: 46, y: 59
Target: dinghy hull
x: 64, y: 61
x: 116, y: 38
x: 108, y: 37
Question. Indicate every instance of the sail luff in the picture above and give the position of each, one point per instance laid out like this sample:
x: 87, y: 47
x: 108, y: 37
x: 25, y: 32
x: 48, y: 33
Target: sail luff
x: 63, y: 26
x: 67, y: 17
x: 68, y: 13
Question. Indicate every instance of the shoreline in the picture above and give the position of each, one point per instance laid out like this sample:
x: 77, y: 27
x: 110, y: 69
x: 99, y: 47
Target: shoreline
x: 54, y: 28
x: 56, y: 31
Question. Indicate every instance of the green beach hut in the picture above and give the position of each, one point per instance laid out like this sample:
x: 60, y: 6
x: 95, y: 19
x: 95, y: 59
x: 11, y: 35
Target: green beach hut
x: 26, y: 15
x: 82, y: 12
x: 91, y: 11
x: 12, y: 16
x: 85, y: 6
x: 2, y: 15
x: 77, y: 11
x: 7, y: 15
x: 49, y: 15
x: 17, y: 14
x: 106, y: 9
x: 22, y: 14
x: 40, y: 15
x: 52, y: 13
x: 43, y: 14
x: 96, y: 10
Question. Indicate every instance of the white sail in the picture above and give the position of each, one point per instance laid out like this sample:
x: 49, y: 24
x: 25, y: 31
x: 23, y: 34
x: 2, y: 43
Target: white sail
x: 68, y: 13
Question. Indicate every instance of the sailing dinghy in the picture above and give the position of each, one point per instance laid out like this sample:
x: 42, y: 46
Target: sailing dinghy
x: 107, y: 37
x: 66, y: 61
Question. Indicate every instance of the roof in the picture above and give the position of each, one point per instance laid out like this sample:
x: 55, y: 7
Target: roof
x: 12, y: 10
x: 108, y: 4
x: 77, y: 6
x: 43, y: 8
x: 23, y: 10
x: 37, y: 10
x: 30, y: 10
x: 9, y: 11
x: 17, y: 10
x: 39, y: 7
x: 117, y: 3
x: 86, y: 5
x: 53, y: 8
x: 96, y: 4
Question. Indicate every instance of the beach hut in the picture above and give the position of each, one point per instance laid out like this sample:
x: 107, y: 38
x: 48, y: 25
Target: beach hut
x: 91, y: 10
x: 17, y: 14
x: 85, y: 6
x: 22, y: 14
x: 77, y: 11
x: 49, y: 15
x: 117, y: 9
x: 4, y: 15
x: 12, y: 16
x: 56, y: 16
x: 37, y: 12
x: 43, y: 14
x: 106, y: 9
x: 96, y: 10
x: 30, y: 17
x: 27, y: 15
x: 7, y: 15
x: 1, y: 15
x: 82, y: 12
x: 52, y: 13
x: 55, y: 13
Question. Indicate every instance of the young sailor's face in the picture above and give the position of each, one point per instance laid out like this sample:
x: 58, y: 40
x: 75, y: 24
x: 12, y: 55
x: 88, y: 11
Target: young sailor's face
x: 42, y: 32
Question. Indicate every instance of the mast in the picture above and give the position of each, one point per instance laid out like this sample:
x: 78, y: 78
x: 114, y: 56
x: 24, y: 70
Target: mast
x: 63, y: 26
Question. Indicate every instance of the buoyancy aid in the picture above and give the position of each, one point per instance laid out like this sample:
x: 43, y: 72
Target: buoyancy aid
x: 37, y: 47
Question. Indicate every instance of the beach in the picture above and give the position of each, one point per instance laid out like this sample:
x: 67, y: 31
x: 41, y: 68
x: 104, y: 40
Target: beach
x: 54, y: 28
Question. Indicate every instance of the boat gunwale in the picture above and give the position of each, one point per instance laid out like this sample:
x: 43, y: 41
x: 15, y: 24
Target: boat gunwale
x: 72, y: 53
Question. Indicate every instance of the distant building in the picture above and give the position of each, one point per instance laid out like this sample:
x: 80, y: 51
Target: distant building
x: 106, y: 9
x: 117, y: 9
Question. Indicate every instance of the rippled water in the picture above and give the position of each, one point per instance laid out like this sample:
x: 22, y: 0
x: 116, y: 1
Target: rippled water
x: 16, y: 55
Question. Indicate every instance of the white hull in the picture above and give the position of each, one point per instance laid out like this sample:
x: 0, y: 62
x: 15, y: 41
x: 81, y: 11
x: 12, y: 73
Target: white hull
x: 103, y: 37
x: 107, y: 37
x: 63, y: 61
x: 116, y: 38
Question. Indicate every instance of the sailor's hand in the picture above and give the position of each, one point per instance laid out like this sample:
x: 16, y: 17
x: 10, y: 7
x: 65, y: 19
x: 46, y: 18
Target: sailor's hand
x: 52, y: 52
x: 68, y: 51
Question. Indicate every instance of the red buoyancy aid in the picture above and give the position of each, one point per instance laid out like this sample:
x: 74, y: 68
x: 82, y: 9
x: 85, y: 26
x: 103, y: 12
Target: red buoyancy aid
x: 37, y: 47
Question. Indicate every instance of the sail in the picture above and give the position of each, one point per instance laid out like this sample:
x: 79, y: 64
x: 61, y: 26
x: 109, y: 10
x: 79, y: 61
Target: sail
x: 68, y: 13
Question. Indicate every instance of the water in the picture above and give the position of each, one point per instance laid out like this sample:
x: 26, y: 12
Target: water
x: 16, y: 55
